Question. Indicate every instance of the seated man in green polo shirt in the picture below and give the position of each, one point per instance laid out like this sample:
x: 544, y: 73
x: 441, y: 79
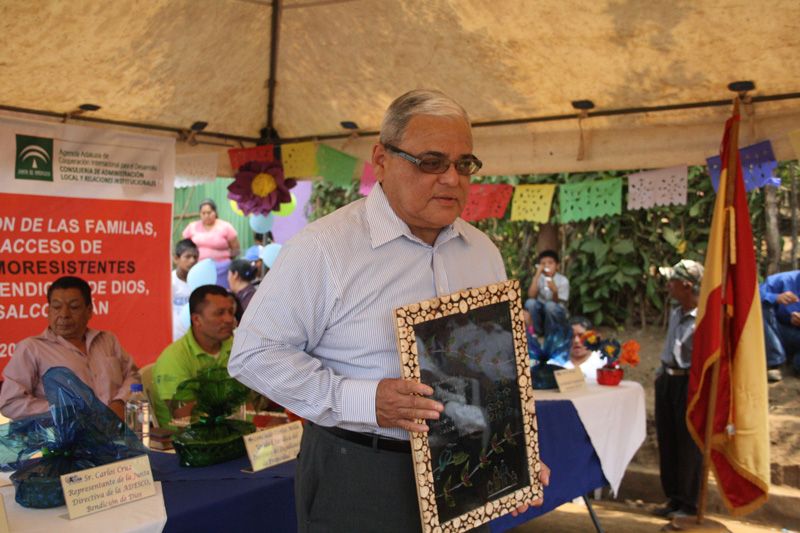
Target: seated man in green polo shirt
x: 208, y: 341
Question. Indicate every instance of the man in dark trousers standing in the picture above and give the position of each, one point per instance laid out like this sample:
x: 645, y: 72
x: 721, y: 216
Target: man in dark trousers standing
x: 680, y: 460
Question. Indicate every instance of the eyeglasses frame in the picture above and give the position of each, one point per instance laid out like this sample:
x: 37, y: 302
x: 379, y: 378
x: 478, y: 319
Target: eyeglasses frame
x: 418, y: 161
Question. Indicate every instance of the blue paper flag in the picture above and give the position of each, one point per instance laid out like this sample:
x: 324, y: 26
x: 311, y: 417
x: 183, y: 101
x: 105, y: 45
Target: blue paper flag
x: 758, y: 162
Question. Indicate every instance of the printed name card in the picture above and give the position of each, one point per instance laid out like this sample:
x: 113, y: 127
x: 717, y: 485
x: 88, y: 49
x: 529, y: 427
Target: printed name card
x: 570, y: 379
x: 103, y: 487
x: 274, y: 445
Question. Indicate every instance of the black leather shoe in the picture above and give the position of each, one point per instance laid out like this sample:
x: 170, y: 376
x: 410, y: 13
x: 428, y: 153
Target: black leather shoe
x: 666, y: 511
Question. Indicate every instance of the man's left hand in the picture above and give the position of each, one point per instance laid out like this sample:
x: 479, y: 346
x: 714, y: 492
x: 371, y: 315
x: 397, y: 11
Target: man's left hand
x: 796, y: 319
x: 544, y: 477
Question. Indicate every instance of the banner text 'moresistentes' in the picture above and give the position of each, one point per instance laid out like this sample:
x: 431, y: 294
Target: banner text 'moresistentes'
x: 58, y: 267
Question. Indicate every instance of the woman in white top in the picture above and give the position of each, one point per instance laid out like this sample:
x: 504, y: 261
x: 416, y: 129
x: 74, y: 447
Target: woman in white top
x: 580, y: 355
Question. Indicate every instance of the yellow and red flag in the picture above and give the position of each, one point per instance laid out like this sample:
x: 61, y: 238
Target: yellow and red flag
x: 730, y: 332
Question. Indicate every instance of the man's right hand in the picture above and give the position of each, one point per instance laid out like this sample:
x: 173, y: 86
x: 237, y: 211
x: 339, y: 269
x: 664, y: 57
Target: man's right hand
x: 786, y: 298
x: 398, y: 404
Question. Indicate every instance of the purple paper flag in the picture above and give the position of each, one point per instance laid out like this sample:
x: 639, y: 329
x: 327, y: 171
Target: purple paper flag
x: 758, y: 162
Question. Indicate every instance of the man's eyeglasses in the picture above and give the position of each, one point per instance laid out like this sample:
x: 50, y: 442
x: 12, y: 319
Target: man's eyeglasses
x: 434, y: 164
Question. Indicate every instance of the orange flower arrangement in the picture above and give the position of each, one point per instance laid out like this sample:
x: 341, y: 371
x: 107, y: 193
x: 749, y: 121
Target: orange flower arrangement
x: 630, y: 353
x: 610, y: 349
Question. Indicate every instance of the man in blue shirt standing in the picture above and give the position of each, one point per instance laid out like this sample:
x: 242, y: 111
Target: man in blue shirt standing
x: 781, y: 310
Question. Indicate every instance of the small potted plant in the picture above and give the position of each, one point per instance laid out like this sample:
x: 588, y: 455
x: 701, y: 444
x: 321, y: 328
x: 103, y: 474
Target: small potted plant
x: 615, y: 355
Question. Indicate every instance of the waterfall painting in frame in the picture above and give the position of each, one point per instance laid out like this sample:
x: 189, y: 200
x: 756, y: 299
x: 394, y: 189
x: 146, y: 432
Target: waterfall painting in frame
x: 480, y: 460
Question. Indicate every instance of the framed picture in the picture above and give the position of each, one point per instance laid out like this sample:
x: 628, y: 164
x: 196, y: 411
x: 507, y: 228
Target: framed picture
x: 480, y: 460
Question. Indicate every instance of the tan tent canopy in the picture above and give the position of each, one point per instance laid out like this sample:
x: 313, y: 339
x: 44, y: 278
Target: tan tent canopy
x: 170, y: 63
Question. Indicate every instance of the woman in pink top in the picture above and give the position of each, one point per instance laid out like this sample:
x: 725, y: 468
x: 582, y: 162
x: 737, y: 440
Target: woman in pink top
x: 214, y: 238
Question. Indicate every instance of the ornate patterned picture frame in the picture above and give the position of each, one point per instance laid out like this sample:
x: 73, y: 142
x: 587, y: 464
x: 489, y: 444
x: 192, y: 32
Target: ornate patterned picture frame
x: 480, y: 460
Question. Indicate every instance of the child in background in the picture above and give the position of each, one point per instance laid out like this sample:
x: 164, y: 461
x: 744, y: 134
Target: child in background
x: 548, y: 295
x: 186, y: 254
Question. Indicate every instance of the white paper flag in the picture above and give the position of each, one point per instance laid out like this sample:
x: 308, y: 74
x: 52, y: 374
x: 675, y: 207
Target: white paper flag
x: 662, y: 186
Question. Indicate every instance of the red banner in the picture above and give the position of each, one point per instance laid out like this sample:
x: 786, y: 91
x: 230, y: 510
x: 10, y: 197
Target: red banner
x: 117, y: 246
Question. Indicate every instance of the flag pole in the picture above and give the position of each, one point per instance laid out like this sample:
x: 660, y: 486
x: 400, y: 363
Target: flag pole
x: 731, y: 175
x: 733, y: 152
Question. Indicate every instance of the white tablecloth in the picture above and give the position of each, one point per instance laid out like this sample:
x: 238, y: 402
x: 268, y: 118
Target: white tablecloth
x: 147, y: 515
x: 614, y: 419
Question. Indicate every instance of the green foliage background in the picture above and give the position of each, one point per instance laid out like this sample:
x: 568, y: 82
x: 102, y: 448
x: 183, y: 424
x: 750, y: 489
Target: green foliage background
x: 612, y: 262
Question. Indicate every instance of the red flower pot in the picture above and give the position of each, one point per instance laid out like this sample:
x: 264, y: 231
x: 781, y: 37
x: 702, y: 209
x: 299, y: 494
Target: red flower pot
x: 609, y: 376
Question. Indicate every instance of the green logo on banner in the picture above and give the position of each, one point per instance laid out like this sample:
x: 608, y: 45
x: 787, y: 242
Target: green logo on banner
x: 34, y: 158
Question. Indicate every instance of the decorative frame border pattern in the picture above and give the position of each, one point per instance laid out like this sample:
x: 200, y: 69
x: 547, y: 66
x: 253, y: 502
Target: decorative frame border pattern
x: 461, y: 302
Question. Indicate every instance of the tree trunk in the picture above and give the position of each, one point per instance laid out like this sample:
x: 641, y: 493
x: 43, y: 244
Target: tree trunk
x: 548, y: 238
x: 525, y: 259
x: 772, y: 230
x: 793, y: 182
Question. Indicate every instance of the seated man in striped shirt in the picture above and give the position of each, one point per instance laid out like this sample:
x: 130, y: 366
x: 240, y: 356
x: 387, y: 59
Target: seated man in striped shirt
x: 319, y: 339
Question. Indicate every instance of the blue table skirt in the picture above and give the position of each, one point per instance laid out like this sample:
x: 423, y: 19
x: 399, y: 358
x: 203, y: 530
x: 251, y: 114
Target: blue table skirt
x: 568, y: 452
x: 224, y: 498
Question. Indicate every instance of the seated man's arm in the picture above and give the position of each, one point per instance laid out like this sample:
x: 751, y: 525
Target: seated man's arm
x: 169, y: 371
x: 129, y: 371
x: 773, y: 290
x: 21, y: 378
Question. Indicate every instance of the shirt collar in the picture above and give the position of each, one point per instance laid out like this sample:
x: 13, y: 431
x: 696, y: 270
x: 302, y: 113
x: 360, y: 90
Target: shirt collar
x: 385, y: 225
x: 49, y: 335
x: 197, y: 351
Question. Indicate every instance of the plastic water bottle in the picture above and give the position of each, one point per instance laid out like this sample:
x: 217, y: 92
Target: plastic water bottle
x: 137, y: 414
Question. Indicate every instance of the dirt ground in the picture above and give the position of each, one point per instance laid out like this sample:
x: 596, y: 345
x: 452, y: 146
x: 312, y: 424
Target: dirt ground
x: 616, y: 517
x: 784, y: 407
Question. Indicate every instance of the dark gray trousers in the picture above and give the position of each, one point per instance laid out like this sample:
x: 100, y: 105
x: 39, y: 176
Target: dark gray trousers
x: 347, y: 487
x: 680, y: 460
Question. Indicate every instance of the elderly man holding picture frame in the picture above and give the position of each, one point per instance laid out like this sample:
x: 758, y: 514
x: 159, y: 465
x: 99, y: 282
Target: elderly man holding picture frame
x: 319, y: 336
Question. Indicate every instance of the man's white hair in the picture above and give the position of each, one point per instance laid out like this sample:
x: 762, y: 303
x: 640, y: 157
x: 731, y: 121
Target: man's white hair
x: 428, y: 102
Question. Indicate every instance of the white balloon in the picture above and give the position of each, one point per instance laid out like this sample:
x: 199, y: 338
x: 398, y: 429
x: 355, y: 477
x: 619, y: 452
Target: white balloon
x: 270, y: 253
x: 203, y: 273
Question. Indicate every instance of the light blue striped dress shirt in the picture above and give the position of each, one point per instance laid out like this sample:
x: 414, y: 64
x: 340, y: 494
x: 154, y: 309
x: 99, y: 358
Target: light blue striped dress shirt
x: 319, y: 334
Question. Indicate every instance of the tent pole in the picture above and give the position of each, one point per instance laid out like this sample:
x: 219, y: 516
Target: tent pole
x: 273, y: 66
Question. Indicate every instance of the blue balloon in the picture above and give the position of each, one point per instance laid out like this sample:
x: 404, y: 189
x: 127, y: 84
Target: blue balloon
x: 269, y: 253
x: 186, y: 317
x: 261, y: 223
x: 203, y: 273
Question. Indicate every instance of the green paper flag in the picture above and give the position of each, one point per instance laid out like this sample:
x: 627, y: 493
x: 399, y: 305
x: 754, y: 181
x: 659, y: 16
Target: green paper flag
x: 590, y: 199
x: 336, y: 166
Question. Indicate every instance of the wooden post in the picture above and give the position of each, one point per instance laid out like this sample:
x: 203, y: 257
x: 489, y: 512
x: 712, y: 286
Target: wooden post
x: 772, y: 229
x: 794, y: 215
x: 183, y: 213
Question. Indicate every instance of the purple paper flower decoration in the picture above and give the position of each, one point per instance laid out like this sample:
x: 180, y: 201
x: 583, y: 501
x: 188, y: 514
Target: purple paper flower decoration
x: 260, y: 187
